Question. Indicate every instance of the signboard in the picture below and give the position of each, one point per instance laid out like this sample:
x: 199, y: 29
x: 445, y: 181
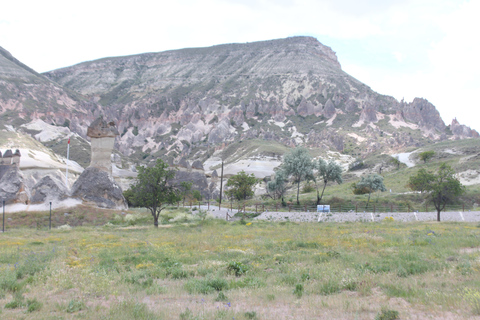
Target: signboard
x: 323, y: 208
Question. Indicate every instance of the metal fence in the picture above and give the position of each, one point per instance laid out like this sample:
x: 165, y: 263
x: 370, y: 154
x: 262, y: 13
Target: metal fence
x: 335, y: 208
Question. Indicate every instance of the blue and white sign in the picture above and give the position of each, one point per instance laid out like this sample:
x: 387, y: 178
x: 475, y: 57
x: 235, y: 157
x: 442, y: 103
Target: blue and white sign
x: 323, y: 208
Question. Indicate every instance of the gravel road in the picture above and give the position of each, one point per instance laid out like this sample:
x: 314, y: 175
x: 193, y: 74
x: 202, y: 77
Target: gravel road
x: 467, y: 216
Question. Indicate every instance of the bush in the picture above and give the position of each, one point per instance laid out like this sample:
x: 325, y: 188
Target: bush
x: 75, y: 306
x: 33, y: 305
x: 308, y: 188
x: 237, y: 268
x: 206, y: 286
x: 386, y: 314
x: 298, y: 291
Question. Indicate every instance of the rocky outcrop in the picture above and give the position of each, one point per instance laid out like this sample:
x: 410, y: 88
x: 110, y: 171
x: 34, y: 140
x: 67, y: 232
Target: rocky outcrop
x: 48, y: 189
x: 12, y: 186
x: 424, y: 114
x: 329, y: 110
x: 462, y: 131
x: 97, y: 187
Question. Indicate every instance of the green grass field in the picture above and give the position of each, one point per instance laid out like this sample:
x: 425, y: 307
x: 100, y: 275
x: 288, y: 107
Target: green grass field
x: 211, y: 269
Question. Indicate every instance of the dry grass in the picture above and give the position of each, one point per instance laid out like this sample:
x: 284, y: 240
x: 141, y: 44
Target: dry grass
x: 219, y: 270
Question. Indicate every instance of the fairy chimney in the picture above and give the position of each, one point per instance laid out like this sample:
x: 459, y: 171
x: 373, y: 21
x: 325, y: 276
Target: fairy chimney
x: 7, y: 157
x: 102, y: 134
x: 16, y: 158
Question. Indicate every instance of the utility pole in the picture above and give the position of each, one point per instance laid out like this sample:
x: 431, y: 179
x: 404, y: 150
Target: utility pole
x: 66, y: 171
x: 221, y: 187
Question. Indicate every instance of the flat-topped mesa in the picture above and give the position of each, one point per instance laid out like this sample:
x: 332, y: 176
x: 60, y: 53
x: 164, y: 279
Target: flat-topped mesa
x: 102, y: 134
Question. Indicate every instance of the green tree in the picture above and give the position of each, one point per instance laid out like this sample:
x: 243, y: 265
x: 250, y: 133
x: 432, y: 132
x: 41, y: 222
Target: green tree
x: 185, y: 190
x: 426, y: 155
x: 330, y: 171
x: 442, y: 187
x: 396, y: 162
x: 372, y: 183
x: 153, y: 189
x: 420, y: 181
x: 278, y: 186
x: 241, y: 185
x: 298, y: 164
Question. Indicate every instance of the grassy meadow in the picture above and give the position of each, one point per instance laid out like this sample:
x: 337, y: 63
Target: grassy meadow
x: 190, y: 268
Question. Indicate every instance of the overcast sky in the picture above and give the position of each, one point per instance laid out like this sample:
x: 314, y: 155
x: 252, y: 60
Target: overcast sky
x: 403, y: 48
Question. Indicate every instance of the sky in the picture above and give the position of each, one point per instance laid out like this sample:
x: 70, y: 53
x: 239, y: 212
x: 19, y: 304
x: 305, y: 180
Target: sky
x: 401, y: 48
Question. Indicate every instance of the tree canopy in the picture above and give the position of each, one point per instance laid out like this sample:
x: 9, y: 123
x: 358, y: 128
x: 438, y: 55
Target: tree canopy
x: 278, y: 186
x: 442, y: 187
x: 372, y: 183
x: 426, y: 155
x: 330, y: 171
x: 298, y: 164
x: 241, y: 185
x: 153, y: 189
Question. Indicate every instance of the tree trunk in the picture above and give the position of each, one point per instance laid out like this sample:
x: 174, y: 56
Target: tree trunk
x: 321, y: 197
x: 298, y: 192
x: 438, y: 215
x: 366, y: 207
x: 155, y: 222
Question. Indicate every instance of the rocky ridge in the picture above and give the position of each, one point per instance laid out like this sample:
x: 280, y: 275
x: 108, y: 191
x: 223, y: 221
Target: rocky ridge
x: 189, y: 102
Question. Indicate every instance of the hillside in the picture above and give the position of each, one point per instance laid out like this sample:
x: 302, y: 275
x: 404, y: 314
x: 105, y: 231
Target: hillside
x: 191, y: 102
x: 26, y: 95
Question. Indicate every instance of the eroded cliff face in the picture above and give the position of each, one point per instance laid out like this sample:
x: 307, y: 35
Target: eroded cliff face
x: 26, y: 95
x: 191, y: 102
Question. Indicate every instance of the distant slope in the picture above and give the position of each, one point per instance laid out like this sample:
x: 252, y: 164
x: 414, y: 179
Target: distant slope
x: 26, y: 95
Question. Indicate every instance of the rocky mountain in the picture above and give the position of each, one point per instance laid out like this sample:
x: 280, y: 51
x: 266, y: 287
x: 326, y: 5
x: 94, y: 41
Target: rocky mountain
x: 191, y: 102
x: 26, y: 95
x: 233, y: 101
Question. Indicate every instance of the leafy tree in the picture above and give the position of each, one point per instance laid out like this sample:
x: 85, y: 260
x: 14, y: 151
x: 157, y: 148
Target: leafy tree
x: 153, y: 189
x: 426, y: 155
x: 372, y: 183
x: 359, y: 190
x: 442, y: 187
x: 396, y: 162
x: 298, y: 164
x: 330, y: 171
x: 278, y: 186
x: 197, y: 195
x: 185, y: 190
x: 241, y: 185
x: 420, y: 181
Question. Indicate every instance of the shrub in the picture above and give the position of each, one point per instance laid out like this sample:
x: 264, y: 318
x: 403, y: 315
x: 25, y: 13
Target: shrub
x: 237, y: 268
x: 75, y: 306
x: 206, y: 286
x: 298, y: 291
x: 329, y: 287
x: 33, y: 305
x: 386, y: 314
x: 221, y: 297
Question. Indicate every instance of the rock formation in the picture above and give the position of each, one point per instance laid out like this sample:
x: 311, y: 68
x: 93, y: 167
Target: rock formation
x: 49, y: 188
x: 102, y: 136
x: 96, y: 185
x: 12, y: 186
